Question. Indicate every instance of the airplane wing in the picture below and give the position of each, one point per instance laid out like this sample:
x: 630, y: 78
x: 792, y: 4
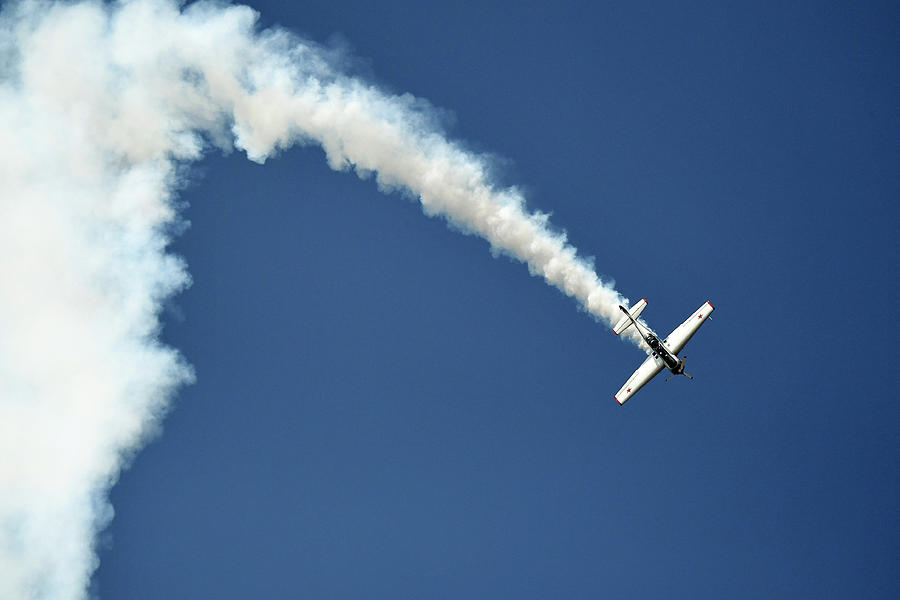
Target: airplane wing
x: 684, y: 332
x: 649, y: 369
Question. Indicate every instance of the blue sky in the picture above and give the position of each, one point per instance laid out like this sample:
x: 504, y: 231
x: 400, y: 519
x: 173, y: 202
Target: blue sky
x: 382, y: 409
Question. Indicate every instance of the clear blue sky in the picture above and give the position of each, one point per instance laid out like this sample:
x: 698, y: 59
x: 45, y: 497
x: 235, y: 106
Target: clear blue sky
x: 383, y: 410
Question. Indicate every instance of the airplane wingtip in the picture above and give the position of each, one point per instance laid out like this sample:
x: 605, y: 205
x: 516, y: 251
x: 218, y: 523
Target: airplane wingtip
x: 710, y: 304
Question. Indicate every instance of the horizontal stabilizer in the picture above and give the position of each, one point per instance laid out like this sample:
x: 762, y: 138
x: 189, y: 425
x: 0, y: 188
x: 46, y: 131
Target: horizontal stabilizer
x: 625, y: 322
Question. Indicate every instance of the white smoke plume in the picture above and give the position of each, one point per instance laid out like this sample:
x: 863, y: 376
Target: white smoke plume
x: 99, y: 105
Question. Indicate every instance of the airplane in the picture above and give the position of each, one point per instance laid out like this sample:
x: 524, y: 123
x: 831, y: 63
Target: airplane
x: 662, y: 353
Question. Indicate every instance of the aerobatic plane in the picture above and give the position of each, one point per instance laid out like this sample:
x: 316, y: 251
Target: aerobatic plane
x: 662, y: 353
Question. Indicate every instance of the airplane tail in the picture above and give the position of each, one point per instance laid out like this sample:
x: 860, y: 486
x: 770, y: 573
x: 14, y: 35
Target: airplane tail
x: 625, y: 322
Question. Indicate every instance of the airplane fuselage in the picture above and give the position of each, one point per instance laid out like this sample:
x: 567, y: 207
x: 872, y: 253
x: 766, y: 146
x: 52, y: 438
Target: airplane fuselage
x: 659, y: 349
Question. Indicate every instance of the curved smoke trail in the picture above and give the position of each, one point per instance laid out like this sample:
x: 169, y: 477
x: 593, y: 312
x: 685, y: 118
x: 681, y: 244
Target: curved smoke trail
x: 98, y: 105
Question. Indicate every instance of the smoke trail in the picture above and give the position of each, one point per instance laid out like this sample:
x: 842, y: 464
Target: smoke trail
x: 98, y: 106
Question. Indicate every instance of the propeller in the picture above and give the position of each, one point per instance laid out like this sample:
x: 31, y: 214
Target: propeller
x: 681, y: 371
x: 684, y: 360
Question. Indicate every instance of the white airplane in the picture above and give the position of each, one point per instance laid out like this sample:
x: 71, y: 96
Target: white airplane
x: 663, y: 353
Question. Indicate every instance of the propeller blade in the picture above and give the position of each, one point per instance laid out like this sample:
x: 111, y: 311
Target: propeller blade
x: 684, y: 360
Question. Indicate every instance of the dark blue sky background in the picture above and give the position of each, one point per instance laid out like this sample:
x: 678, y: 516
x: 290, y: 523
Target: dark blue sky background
x: 383, y: 410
